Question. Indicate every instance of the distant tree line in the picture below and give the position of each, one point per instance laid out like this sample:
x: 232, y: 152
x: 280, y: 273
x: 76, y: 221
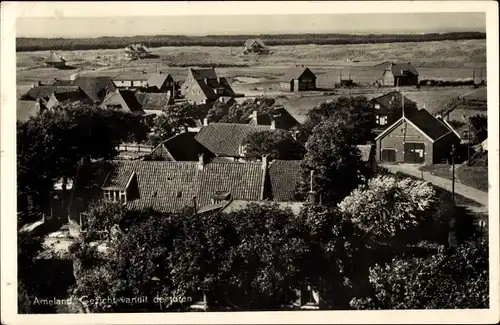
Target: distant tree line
x: 40, y: 44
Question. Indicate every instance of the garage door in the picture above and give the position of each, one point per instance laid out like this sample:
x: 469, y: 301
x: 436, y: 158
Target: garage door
x: 388, y: 155
x: 414, y: 152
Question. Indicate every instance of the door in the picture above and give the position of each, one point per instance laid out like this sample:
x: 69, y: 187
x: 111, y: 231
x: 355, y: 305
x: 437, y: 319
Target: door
x: 388, y: 155
x: 414, y: 153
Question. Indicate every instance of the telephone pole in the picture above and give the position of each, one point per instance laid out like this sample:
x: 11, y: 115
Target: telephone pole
x: 453, y: 173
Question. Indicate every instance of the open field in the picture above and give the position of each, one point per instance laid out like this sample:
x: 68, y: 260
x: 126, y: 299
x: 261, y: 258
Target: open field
x: 261, y: 75
x: 473, y: 176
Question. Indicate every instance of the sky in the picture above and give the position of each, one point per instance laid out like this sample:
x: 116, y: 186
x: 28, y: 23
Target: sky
x: 74, y: 27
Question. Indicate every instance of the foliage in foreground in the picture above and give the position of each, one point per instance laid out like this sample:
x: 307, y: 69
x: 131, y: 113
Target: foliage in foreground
x: 450, y: 279
x: 276, y: 144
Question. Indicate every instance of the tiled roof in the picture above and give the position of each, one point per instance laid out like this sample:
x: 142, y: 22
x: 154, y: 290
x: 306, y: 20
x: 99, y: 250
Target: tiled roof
x: 95, y: 87
x: 44, y: 92
x: 153, y: 101
x: 366, y: 150
x: 170, y: 186
x: 181, y: 147
x: 297, y: 72
x: 138, y: 47
x: 131, y: 75
x: 120, y: 97
x: 429, y: 124
x: 62, y: 82
x: 224, y: 139
x: 284, y: 176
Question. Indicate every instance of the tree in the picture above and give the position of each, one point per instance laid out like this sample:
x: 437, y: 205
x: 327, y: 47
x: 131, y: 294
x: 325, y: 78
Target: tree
x: 239, y: 113
x: 333, y: 246
x: 334, y: 158
x: 276, y: 144
x: 28, y: 287
x: 449, y: 279
x: 136, y: 264
x: 388, y: 209
x: 179, y: 117
x: 162, y: 130
x: 479, y: 128
x: 51, y: 145
x: 356, y: 111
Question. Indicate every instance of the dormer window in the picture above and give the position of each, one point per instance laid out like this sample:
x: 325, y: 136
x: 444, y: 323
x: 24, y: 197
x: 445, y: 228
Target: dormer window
x: 119, y: 193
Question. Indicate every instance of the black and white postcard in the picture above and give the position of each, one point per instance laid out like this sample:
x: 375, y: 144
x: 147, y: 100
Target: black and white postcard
x: 227, y: 162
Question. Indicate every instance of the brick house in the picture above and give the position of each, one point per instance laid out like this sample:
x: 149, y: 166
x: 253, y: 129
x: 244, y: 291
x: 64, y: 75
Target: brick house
x: 416, y: 138
x: 299, y: 79
x: 398, y: 74
x: 388, y: 108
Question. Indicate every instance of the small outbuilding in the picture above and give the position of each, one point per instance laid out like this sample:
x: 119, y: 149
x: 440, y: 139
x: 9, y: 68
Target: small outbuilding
x: 398, y: 74
x: 300, y: 79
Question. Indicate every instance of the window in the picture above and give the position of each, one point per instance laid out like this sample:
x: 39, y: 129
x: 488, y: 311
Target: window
x: 107, y: 195
x: 115, y: 196
x: 123, y: 197
x: 377, y: 119
x: 377, y: 106
x: 383, y: 120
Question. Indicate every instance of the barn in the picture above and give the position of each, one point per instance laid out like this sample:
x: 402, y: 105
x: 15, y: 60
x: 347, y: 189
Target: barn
x: 300, y: 79
x: 417, y: 138
x: 399, y: 74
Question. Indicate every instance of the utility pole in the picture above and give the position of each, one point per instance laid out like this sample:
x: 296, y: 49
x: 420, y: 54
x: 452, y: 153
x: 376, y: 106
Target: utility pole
x: 453, y: 173
x: 468, y: 142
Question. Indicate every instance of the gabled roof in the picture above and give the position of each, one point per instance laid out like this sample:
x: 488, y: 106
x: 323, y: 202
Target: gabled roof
x: 423, y: 121
x: 284, y: 176
x: 297, y: 73
x: 209, y: 88
x: 137, y: 48
x: 124, y: 98
x: 95, y: 87
x: 54, y: 58
x: 224, y: 139
x: 181, y: 147
x: 153, y: 101
x: 170, y: 186
x: 26, y: 109
x: 158, y: 80
x: 251, y: 41
x: 44, y: 92
x: 131, y: 76
x: 73, y: 96
x: 281, y: 117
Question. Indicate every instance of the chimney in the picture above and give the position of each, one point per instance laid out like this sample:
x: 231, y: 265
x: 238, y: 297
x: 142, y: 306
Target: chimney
x: 39, y: 83
x: 194, y: 204
x: 201, y: 161
x: 205, y: 121
x: 264, y: 162
x: 218, y: 80
x: 32, y: 85
x: 206, y: 80
x: 273, y: 124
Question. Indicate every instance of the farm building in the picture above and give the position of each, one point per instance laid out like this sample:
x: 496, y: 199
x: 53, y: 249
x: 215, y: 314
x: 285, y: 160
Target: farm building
x: 299, y: 79
x: 55, y: 60
x: 398, y: 74
x: 137, y: 51
x: 154, y: 103
x: 416, y: 138
x: 203, y: 86
x: 388, y: 108
x: 255, y: 45
x: 95, y: 87
x: 58, y: 98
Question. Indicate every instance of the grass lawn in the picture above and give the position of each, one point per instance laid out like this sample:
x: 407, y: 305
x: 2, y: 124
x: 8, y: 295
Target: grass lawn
x: 473, y: 176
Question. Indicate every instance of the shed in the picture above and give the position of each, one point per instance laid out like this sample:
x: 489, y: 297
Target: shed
x: 300, y: 79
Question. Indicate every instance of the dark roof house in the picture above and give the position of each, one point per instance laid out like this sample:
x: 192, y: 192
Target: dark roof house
x: 225, y: 139
x: 123, y: 100
x: 44, y: 91
x: 388, y: 108
x: 154, y: 101
x: 255, y: 45
x: 279, y: 116
x: 161, y: 82
x: 203, y: 86
x: 300, y: 78
x: 58, y: 98
x: 399, y: 74
x: 96, y: 88
x: 180, y: 147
